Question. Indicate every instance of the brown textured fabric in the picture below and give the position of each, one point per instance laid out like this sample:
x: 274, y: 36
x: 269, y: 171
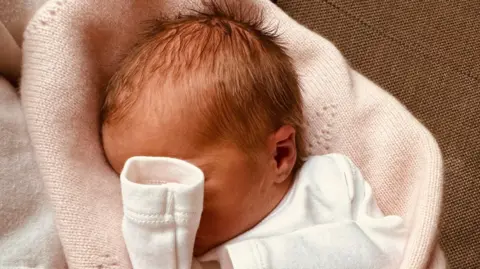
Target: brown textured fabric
x: 427, y: 54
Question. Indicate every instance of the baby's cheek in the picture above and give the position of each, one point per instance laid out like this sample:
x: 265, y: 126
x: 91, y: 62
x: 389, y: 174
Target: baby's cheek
x: 221, y: 201
x: 212, y: 195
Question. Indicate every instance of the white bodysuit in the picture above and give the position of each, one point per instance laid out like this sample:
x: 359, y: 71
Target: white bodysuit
x: 328, y: 219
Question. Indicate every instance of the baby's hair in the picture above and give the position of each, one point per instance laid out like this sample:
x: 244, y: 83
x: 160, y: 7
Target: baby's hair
x: 221, y: 63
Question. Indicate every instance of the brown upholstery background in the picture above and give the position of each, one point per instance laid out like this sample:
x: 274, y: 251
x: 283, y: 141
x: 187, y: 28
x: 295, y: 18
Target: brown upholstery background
x: 427, y: 54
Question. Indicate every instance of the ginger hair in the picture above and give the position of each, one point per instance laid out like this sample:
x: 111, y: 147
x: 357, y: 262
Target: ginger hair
x: 220, y: 64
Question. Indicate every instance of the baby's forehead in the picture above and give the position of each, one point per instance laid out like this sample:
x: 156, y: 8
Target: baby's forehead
x: 135, y: 137
x: 122, y: 142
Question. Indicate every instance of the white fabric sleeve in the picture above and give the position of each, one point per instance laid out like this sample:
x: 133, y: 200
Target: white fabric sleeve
x: 360, y: 237
x: 163, y: 202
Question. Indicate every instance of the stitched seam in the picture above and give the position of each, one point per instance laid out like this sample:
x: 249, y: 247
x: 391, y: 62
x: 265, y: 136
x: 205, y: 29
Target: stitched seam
x: 417, y: 48
x: 180, y: 211
x: 165, y: 220
x: 145, y: 218
x: 154, y: 215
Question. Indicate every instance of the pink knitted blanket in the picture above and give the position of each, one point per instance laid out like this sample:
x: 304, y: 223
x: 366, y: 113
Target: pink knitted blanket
x: 71, y: 49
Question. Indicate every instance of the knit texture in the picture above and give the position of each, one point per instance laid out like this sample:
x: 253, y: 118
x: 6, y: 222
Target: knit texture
x: 28, y: 237
x: 15, y: 14
x: 426, y: 53
x: 71, y: 49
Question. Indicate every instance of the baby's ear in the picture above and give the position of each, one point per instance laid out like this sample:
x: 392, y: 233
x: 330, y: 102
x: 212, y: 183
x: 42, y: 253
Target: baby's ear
x: 285, y: 153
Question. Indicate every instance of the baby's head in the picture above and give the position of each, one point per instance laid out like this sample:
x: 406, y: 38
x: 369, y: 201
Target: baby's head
x: 216, y: 90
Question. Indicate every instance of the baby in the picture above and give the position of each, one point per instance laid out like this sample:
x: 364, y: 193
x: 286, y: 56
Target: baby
x: 215, y: 102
